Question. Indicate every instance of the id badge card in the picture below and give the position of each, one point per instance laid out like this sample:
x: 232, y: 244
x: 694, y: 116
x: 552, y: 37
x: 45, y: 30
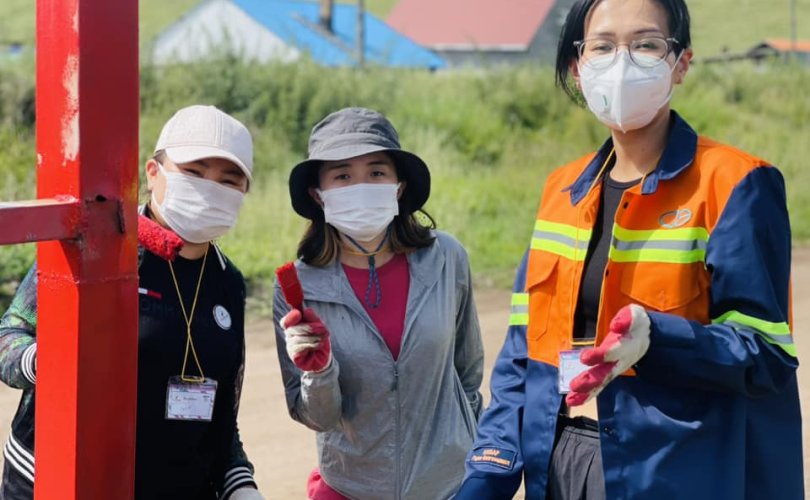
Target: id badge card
x: 570, y: 367
x: 190, y: 400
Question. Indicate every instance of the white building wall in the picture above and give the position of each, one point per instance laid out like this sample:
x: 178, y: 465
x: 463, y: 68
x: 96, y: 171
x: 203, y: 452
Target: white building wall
x: 218, y: 27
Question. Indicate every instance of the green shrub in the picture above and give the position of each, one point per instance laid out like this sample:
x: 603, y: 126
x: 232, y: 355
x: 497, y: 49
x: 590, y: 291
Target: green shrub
x: 489, y: 136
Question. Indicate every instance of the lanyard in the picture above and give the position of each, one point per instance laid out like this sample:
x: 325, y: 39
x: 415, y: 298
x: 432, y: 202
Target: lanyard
x: 373, y: 278
x: 189, y: 318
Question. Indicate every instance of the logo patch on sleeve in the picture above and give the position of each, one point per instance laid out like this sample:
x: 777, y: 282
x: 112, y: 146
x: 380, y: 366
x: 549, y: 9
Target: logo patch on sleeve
x: 498, y: 457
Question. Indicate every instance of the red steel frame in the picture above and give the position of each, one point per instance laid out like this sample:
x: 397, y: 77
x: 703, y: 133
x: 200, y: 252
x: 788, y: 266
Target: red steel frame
x: 85, y: 221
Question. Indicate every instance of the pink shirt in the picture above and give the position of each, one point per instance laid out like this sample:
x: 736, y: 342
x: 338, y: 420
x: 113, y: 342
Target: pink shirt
x: 389, y: 316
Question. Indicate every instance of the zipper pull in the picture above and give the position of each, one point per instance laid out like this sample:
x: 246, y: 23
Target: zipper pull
x: 395, y: 385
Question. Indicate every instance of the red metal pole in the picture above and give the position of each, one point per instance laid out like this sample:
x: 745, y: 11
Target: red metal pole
x: 87, y: 145
x: 39, y: 220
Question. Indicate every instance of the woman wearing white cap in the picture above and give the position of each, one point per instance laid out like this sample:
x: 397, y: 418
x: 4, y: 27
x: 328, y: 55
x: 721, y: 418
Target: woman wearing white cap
x: 385, y: 361
x: 191, y: 324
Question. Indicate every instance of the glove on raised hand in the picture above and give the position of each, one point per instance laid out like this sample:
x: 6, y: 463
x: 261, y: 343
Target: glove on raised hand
x: 307, y: 340
x: 625, y: 344
x: 246, y: 493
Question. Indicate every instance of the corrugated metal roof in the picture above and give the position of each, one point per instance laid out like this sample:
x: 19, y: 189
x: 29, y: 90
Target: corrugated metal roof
x: 464, y: 24
x: 297, y: 24
x: 785, y: 45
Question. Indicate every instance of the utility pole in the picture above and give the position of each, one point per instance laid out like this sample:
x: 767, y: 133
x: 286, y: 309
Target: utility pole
x: 361, y: 33
x: 793, y: 47
x: 325, y: 14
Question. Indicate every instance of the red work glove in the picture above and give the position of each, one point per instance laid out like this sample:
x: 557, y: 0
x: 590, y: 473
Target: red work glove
x: 307, y: 340
x: 625, y: 344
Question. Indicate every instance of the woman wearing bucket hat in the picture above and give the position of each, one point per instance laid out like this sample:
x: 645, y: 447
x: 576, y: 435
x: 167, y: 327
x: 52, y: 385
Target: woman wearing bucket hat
x: 385, y: 360
x: 191, y: 323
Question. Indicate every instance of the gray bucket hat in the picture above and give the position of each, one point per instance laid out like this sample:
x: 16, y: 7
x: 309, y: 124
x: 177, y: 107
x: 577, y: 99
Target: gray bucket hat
x: 349, y: 133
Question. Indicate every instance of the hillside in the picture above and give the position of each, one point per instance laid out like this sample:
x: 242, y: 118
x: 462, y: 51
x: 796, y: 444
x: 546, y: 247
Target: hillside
x: 733, y: 24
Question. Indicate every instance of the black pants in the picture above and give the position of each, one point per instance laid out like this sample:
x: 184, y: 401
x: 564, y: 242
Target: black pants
x: 14, y: 485
x: 575, y: 472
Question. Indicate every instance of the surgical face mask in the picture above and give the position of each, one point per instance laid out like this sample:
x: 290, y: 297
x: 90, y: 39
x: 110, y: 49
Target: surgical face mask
x: 198, y: 210
x: 361, y: 211
x: 626, y: 96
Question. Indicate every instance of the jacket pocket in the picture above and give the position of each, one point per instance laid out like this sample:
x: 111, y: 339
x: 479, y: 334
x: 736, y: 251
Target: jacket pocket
x: 665, y: 288
x: 541, y: 284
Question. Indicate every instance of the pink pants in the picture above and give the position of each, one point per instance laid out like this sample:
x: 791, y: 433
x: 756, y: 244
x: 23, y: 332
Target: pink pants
x: 317, y: 489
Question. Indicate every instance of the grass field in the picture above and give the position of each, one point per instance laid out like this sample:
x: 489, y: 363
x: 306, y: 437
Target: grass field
x: 489, y: 137
x: 740, y: 24
x: 17, y: 18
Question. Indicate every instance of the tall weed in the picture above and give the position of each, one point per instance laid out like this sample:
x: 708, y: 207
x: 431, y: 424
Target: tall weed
x: 490, y: 138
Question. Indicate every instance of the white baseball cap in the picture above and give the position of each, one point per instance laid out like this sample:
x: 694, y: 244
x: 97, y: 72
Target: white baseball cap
x: 198, y: 132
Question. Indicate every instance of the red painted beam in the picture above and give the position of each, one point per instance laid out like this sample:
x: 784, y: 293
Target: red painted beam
x: 87, y: 145
x: 39, y: 220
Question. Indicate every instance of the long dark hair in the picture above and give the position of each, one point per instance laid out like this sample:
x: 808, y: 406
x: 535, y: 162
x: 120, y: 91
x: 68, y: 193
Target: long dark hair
x: 574, y: 30
x: 410, y: 230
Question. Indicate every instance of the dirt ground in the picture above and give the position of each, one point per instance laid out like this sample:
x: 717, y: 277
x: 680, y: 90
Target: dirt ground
x: 283, y: 451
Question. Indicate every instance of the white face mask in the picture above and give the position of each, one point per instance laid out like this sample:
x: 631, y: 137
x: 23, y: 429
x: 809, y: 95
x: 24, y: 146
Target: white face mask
x: 624, y: 95
x: 361, y: 211
x: 198, y: 210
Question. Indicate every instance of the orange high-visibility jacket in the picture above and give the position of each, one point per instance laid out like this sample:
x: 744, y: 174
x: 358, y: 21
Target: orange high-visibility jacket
x: 711, y: 411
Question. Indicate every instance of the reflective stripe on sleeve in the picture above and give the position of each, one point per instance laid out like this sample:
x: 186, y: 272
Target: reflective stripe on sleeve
x: 777, y: 334
x: 519, y: 315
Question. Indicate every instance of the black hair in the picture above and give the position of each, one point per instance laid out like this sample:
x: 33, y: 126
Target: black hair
x: 574, y: 30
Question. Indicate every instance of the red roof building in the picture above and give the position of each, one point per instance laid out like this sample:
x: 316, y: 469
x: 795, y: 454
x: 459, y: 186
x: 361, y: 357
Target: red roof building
x: 767, y: 50
x: 483, y: 31
x: 784, y: 45
x: 781, y: 47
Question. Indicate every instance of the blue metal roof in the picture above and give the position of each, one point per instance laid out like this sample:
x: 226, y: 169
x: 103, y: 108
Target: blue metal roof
x: 296, y: 23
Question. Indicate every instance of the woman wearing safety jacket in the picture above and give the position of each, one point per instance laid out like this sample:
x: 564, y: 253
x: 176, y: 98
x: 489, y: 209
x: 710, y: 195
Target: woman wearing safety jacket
x: 385, y: 361
x: 656, y: 285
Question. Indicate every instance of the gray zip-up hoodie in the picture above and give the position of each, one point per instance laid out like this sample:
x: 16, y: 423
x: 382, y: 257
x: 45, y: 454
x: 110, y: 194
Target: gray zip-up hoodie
x: 392, y: 429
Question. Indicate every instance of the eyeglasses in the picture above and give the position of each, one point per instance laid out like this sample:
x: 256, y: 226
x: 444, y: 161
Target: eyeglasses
x: 600, y: 53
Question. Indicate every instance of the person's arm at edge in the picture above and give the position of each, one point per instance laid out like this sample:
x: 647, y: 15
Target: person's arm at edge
x: 18, y: 344
x: 238, y: 469
x: 313, y: 399
x: 748, y: 348
x: 501, y: 423
x: 469, y: 351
